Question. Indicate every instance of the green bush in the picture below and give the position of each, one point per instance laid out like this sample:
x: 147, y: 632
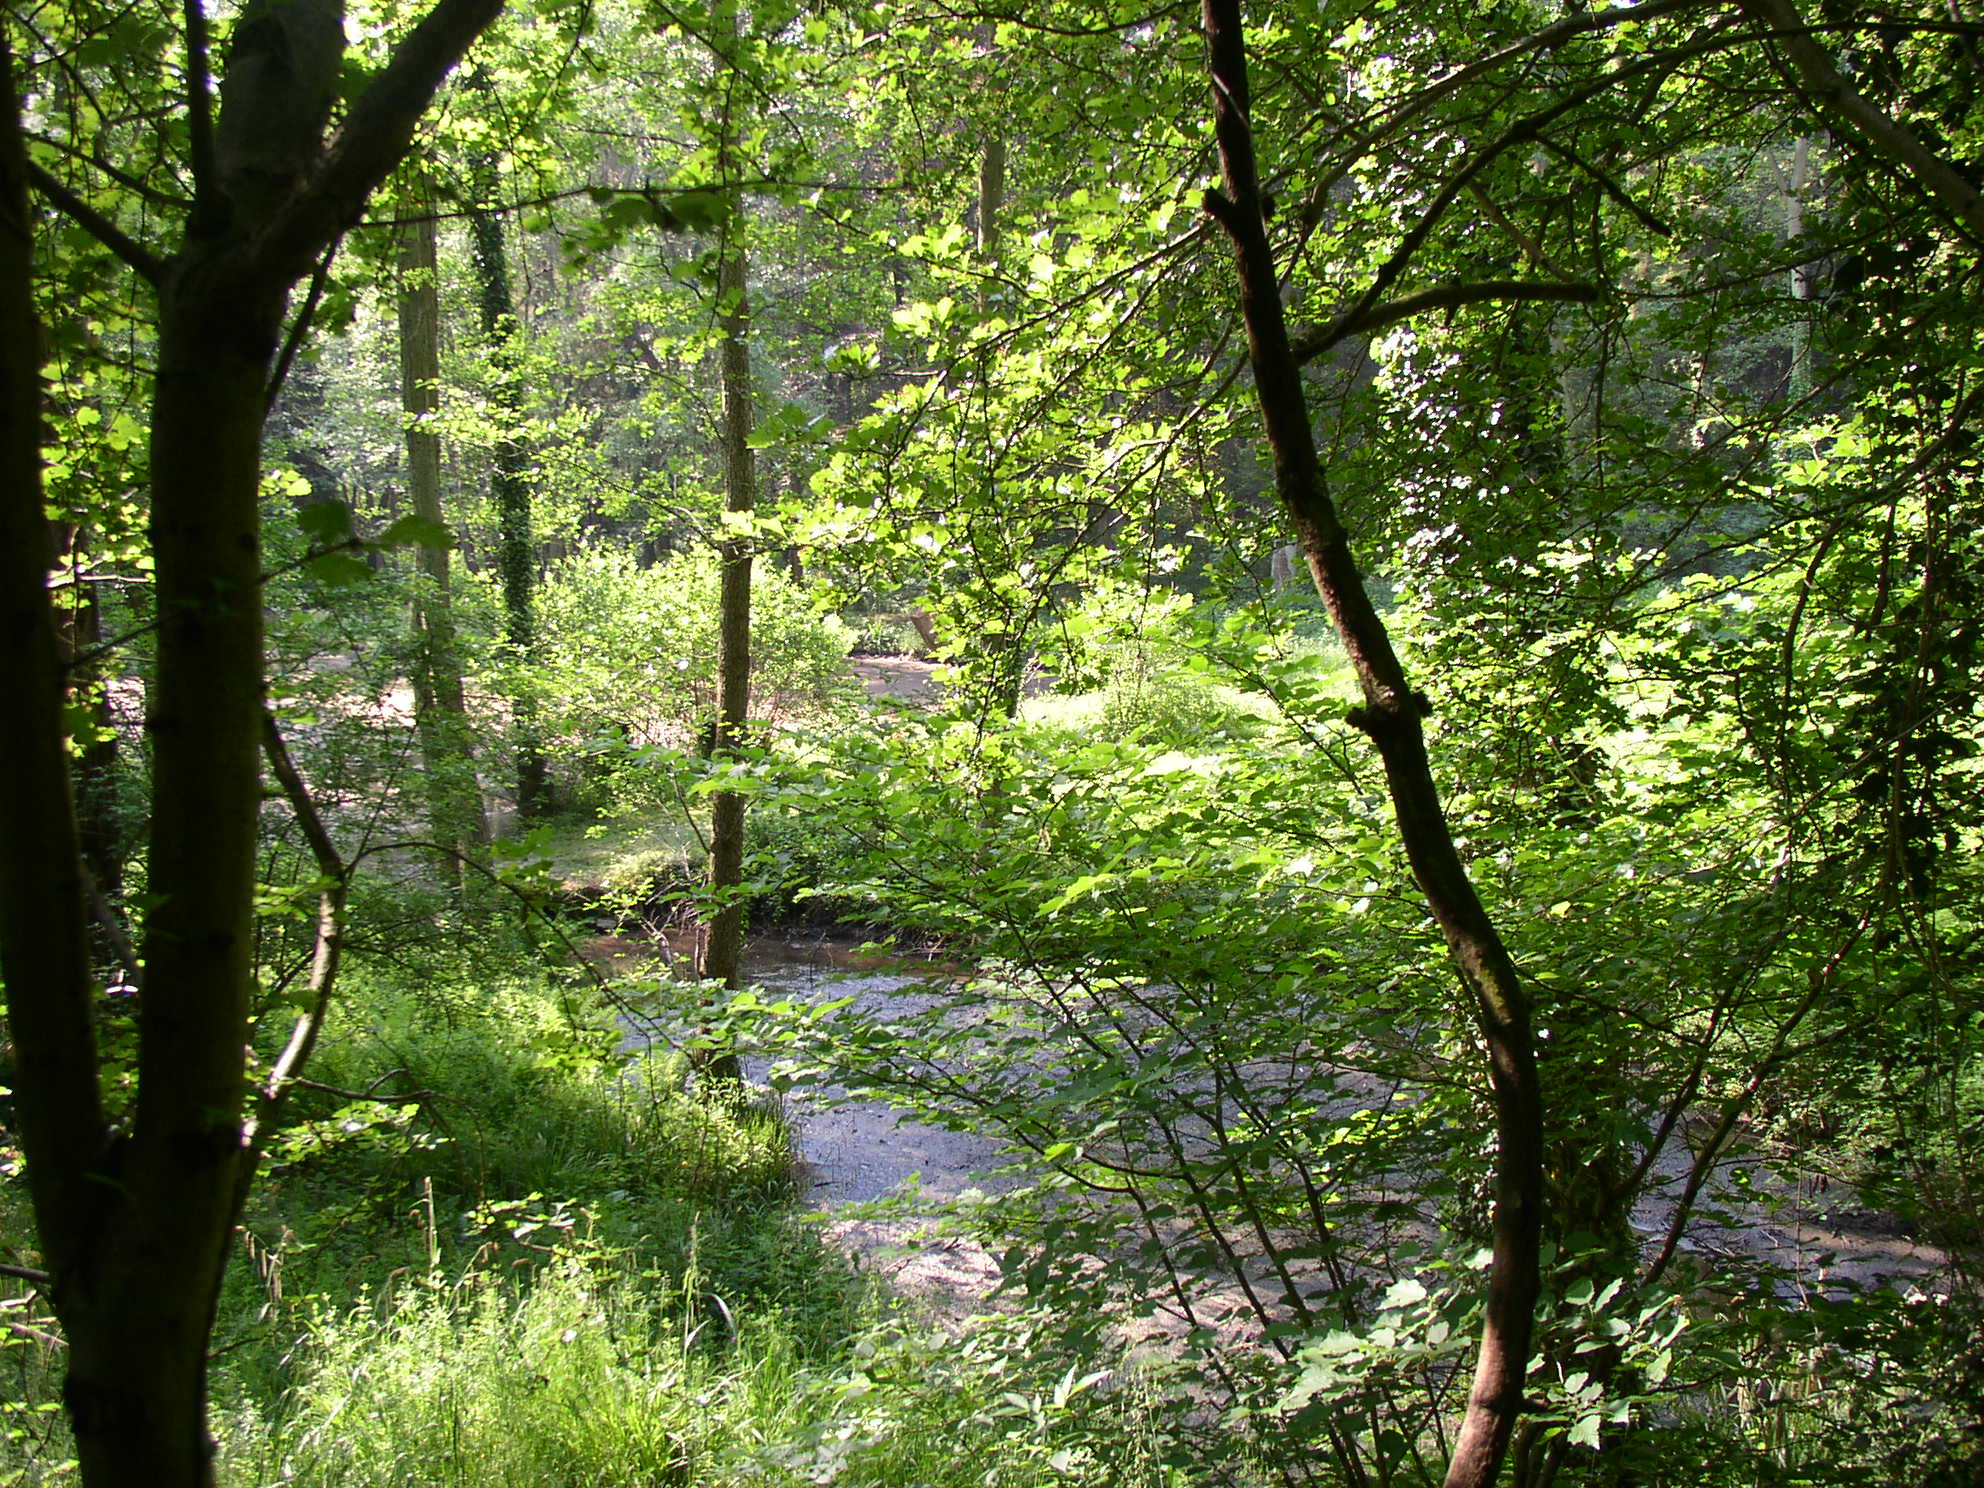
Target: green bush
x: 628, y: 653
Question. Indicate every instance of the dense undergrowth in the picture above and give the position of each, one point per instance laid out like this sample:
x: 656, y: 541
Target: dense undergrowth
x: 504, y: 1242
x: 500, y: 1248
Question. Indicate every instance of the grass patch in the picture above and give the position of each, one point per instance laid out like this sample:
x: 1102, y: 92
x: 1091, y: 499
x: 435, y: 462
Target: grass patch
x: 604, y: 856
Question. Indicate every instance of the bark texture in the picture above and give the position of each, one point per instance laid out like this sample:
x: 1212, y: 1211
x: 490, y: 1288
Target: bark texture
x: 724, y: 945
x: 1392, y: 716
x: 454, y: 805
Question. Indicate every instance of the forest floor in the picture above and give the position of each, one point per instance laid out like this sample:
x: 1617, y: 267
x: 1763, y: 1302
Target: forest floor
x: 905, y: 678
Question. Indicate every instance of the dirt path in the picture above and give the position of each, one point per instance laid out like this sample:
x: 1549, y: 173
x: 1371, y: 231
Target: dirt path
x: 903, y: 678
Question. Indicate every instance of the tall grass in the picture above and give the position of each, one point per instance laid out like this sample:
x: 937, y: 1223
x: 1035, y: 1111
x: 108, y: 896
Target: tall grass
x: 497, y: 1248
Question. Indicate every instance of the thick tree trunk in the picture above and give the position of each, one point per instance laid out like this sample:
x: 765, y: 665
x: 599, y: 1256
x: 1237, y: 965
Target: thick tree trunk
x: 511, y: 486
x: 1391, y: 716
x: 440, y: 713
x: 140, y: 1314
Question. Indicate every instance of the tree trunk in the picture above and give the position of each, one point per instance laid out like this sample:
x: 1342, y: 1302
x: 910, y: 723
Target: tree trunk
x: 44, y: 946
x: 440, y: 714
x: 1391, y: 716
x: 724, y: 944
x: 511, y: 486
x: 135, y: 1229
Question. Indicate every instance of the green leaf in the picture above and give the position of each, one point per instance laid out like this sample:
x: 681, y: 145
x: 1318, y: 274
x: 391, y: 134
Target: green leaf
x: 415, y: 532
x: 326, y: 521
x: 338, y: 570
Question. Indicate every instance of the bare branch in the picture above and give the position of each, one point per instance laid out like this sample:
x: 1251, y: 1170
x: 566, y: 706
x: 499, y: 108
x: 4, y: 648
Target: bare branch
x: 1311, y: 344
x: 113, y: 930
x: 410, y: 1098
x: 299, y: 325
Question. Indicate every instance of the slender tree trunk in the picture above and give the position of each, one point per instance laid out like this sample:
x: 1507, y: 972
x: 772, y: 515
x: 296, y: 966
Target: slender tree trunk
x: 1800, y: 380
x: 724, y: 944
x: 1006, y: 652
x: 511, y: 486
x: 1391, y: 716
x: 991, y: 202
x: 440, y: 712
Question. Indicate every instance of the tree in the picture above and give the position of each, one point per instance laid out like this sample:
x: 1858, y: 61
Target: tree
x: 440, y: 712
x: 135, y: 1219
x: 510, y: 476
x: 1391, y: 716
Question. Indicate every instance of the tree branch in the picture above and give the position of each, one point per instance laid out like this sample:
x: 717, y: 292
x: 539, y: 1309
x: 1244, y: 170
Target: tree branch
x: 411, y: 1098
x: 131, y: 183
x: 325, y: 956
x: 147, y: 265
x: 1610, y: 187
x: 375, y: 133
x: 1311, y: 344
x: 1523, y: 131
x: 299, y: 325
x: 113, y: 931
x: 200, y: 118
x: 1835, y: 99
x: 1547, y: 39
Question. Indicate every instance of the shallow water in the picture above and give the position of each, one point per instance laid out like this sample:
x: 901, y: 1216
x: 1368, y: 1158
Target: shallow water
x: 861, y: 1151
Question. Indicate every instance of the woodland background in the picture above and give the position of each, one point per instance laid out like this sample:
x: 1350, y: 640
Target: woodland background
x: 1506, y: 1009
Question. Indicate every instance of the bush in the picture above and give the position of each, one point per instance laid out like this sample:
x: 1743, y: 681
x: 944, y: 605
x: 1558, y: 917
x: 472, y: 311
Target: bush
x: 629, y: 653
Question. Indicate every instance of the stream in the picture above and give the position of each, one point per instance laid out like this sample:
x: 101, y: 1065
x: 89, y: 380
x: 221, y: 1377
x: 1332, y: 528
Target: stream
x: 856, y: 1154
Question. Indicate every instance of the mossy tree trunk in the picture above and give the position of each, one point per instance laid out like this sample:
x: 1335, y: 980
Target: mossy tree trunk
x: 510, y: 480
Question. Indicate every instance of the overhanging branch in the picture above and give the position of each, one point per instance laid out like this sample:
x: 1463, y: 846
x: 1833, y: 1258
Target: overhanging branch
x: 1834, y: 98
x: 1308, y: 345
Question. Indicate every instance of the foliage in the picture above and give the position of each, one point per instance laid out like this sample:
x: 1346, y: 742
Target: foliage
x: 1651, y: 406
x: 629, y: 653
